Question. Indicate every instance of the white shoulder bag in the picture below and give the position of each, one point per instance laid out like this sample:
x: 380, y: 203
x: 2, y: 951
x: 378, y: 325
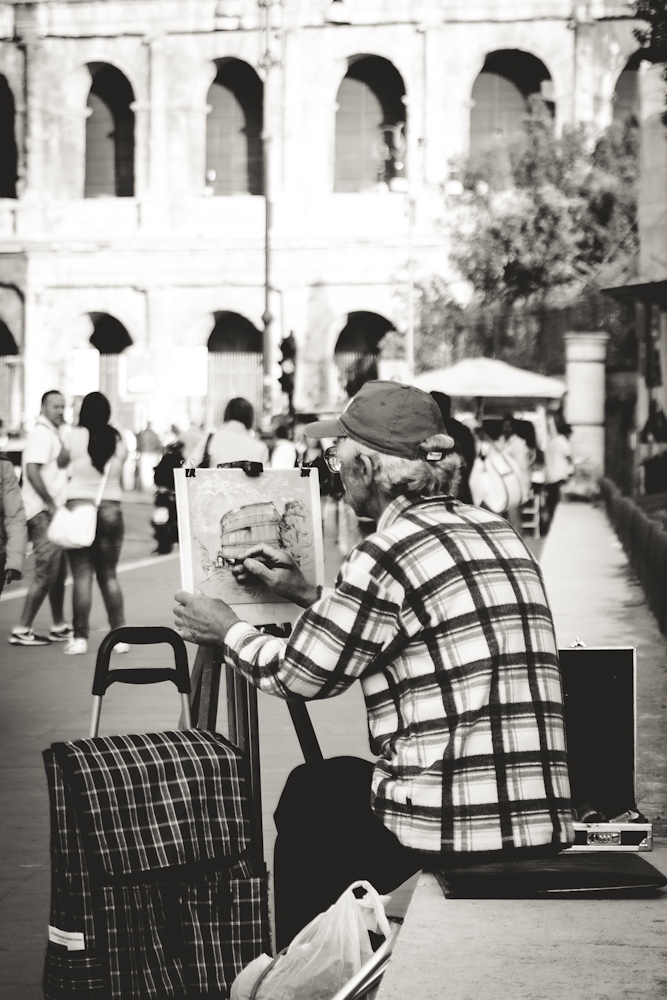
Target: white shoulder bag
x: 76, y: 528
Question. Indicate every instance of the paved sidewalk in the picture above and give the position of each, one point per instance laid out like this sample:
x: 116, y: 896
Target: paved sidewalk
x: 595, y: 597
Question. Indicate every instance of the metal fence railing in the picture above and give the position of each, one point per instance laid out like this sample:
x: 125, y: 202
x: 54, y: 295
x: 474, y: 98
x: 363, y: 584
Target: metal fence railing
x: 645, y: 543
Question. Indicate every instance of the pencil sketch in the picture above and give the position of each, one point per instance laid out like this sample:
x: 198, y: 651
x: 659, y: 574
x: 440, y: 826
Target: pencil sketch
x: 228, y: 513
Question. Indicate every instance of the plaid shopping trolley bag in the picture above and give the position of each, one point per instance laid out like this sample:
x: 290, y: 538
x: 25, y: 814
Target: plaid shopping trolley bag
x: 154, y: 894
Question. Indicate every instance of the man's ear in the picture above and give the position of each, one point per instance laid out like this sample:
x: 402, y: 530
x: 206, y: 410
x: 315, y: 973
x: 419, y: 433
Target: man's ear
x: 366, y: 469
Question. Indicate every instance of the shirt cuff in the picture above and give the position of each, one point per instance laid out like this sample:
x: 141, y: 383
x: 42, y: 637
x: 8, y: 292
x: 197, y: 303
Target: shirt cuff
x: 237, y: 633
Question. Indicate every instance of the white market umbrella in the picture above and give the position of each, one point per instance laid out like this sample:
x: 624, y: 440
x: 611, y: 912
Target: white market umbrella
x: 489, y: 378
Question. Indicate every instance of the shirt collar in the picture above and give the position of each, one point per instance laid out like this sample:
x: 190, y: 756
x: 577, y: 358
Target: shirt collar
x: 45, y: 422
x: 393, y: 511
x: 400, y: 505
x: 236, y: 427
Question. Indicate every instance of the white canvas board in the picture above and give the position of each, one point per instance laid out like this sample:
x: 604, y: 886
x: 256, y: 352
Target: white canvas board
x: 223, y: 512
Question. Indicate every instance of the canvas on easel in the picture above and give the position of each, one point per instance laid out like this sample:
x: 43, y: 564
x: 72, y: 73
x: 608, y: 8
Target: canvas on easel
x: 224, y: 512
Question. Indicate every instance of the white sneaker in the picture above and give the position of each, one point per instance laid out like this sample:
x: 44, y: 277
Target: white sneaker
x: 75, y: 647
x: 121, y: 647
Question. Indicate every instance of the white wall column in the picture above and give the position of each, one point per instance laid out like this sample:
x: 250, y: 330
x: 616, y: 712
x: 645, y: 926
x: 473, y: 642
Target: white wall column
x: 585, y: 355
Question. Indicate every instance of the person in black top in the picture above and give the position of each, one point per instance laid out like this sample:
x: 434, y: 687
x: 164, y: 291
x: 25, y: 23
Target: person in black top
x: 464, y: 441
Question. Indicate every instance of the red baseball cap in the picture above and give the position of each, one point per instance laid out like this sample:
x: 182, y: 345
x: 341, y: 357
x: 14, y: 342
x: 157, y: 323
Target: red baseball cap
x: 389, y: 417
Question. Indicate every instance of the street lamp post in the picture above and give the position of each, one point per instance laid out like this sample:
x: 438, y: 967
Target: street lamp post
x: 394, y: 151
x: 268, y: 60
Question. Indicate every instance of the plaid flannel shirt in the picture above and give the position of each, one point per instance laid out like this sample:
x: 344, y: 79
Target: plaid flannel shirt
x: 148, y: 835
x: 443, y: 617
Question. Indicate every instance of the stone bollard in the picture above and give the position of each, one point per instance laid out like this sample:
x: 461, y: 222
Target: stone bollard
x: 585, y: 355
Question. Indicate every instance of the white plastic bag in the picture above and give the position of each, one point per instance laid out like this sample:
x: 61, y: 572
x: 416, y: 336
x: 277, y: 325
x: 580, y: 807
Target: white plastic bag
x: 327, y: 953
x: 244, y: 983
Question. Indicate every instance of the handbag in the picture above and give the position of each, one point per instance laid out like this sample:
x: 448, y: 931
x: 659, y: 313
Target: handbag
x: 76, y: 528
x: 495, y: 482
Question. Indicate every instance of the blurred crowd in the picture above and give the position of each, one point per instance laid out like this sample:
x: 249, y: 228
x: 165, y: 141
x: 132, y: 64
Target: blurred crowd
x: 514, y: 464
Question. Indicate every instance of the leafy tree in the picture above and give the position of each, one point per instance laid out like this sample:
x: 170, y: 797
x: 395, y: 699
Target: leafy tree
x: 543, y: 212
x: 443, y: 333
x: 654, y: 37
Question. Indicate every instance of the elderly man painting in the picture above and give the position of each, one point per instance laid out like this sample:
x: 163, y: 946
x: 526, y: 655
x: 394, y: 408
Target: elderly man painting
x: 442, y: 616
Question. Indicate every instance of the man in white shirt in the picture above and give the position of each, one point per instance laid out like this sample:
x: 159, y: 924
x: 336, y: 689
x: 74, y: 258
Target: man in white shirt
x: 44, y: 490
x: 233, y: 442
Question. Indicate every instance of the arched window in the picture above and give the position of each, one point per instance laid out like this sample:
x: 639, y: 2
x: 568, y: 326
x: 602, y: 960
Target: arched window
x: 234, y: 130
x: 8, y: 152
x: 8, y: 345
x: 111, y: 338
x: 233, y: 333
x: 370, y: 125
x: 626, y: 92
x: 109, y: 335
x: 11, y: 379
x: 500, y: 95
x: 235, y: 365
x: 109, y: 134
x: 358, y: 348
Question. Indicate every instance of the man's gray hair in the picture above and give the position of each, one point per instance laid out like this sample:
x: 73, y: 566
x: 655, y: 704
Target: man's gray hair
x: 410, y: 477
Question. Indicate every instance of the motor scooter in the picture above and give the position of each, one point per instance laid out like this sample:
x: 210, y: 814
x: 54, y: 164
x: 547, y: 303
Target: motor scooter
x: 163, y: 519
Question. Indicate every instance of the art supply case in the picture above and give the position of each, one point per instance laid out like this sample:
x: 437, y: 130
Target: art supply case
x: 600, y: 689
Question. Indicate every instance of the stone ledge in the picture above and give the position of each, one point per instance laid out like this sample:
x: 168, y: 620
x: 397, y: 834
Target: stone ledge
x: 523, y: 949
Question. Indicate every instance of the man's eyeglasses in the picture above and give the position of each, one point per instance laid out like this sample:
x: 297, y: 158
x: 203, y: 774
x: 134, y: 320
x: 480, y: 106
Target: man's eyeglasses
x: 332, y: 459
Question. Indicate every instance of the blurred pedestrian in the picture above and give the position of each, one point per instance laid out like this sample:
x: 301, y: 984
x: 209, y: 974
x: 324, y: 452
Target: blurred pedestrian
x: 234, y: 442
x: 558, y: 466
x: 513, y: 446
x: 192, y: 439
x: 92, y: 452
x: 284, y: 454
x: 129, y: 477
x: 13, y: 529
x: 464, y: 443
x: 150, y: 453
x: 44, y: 490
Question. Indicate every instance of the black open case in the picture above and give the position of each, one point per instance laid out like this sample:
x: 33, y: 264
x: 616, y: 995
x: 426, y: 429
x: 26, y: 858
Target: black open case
x: 600, y: 690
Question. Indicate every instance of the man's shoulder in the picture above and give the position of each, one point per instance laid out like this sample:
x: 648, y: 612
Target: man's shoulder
x: 40, y: 438
x: 433, y: 520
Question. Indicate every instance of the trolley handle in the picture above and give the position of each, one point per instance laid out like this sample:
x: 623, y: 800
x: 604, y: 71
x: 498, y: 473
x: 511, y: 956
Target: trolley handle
x: 138, y: 636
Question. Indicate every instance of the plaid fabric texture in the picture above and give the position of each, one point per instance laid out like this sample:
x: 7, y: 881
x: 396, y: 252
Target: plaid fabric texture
x: 147, y: 841
x: 442, y: 614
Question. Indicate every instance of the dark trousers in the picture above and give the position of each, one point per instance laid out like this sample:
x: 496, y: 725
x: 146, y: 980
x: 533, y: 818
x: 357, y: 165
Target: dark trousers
x: 100, y: 560
x: 328, y: 837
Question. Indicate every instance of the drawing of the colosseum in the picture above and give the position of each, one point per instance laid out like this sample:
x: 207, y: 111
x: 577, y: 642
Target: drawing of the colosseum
x: 252, y: 524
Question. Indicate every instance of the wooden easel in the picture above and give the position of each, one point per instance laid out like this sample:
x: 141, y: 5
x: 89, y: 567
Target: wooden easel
x: 243, y: 724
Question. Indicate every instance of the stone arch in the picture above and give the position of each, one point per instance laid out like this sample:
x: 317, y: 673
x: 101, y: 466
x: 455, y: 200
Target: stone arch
x: 357, y: 349
x: 626, y: 92
x: 109, y: 335
x: 235, y: 364
x: 110, y: 134
x: 234, y: 153
x: 111, y: 338
x: 500, y: 95
x: 233, y: 332
x: 371, y: 120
